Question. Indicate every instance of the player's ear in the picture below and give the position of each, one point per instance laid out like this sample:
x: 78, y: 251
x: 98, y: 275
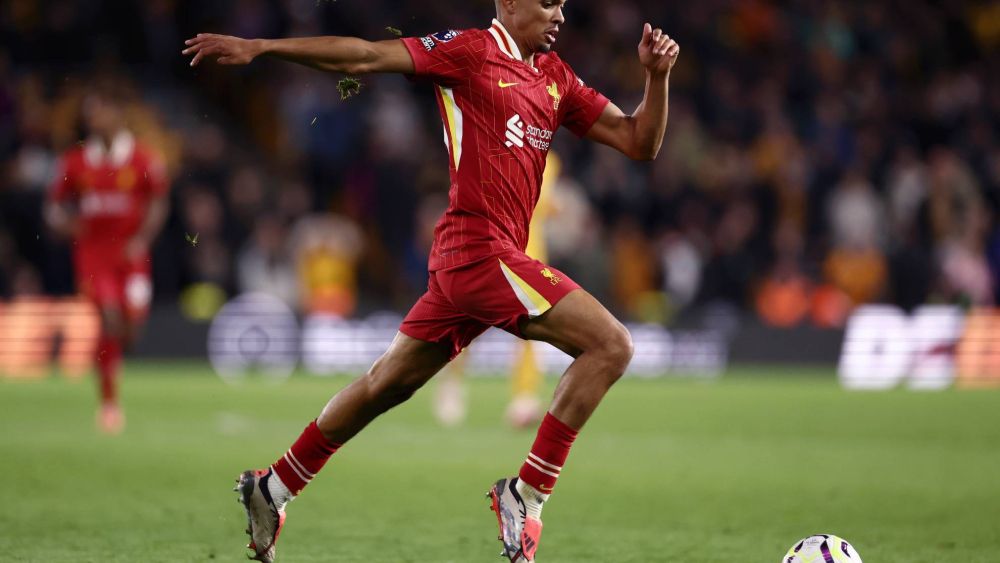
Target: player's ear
x: 506, y: 7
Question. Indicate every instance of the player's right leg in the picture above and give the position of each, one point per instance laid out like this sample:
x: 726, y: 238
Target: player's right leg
x: 392, y: 379
x: 602, y: 348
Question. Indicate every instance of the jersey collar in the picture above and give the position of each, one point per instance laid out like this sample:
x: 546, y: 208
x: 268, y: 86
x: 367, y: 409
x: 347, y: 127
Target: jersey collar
x: 121, y: 150
x: 505, y: 41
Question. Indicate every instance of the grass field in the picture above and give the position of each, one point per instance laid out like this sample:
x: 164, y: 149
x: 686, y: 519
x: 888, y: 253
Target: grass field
x: 668, y: 470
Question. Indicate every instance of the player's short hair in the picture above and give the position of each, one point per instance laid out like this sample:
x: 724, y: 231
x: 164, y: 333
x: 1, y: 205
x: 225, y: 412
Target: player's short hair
x: 109, y: 89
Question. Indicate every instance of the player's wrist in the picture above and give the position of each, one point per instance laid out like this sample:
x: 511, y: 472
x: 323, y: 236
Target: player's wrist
x: 654, y: 74
x: 260, y: 47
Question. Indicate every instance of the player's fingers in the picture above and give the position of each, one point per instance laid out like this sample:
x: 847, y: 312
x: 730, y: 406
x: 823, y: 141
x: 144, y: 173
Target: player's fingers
x: 204, y: 51
x: 661, y: 45
x: 201, y: 37
x: 657, y: 33
x: 657, y: 46
x: 647, y: 30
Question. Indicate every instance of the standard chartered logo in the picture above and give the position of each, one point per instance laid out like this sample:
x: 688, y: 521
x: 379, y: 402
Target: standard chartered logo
x: 515, y: 131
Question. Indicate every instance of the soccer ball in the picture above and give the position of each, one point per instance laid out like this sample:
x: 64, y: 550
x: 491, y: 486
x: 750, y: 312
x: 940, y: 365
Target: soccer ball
x: 822, y: 548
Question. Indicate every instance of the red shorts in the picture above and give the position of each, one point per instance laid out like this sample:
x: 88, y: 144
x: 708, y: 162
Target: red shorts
x: 500, y: 290
x: 115, y: 283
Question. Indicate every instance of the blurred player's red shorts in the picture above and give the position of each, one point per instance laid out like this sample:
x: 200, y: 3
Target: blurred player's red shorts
x: 111, y: 281
x: 501, y: 290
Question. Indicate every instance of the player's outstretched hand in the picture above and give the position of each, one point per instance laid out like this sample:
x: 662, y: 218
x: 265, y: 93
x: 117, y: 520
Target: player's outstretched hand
x: 657, y: 51
x: 225, y: 49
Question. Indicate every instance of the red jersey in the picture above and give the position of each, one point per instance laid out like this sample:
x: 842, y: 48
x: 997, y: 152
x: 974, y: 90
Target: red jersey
x: 111, y: 189
x: 499, y: 116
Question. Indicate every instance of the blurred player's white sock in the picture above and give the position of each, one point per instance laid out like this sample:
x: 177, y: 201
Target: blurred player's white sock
x: 280, y: 494
x: 532, y: 498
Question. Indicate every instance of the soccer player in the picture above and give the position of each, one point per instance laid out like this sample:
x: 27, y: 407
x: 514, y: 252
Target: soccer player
x: 109, y: 197
x: 501, y: 92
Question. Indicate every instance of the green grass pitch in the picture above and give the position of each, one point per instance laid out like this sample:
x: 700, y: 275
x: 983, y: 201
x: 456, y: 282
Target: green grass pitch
x: 668, y: 470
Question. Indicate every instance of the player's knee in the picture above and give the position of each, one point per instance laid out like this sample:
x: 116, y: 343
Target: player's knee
x: 617, y: 350
x: 112, y: 323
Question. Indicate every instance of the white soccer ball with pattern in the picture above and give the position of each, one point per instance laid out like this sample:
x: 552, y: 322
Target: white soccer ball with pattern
x: 822, y: 548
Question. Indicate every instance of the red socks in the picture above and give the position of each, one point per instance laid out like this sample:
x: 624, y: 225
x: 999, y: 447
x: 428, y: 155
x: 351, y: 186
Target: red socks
x: 312, y: 450
x: 548, y: 454
x: 109, y: 359
x: 304, y: 459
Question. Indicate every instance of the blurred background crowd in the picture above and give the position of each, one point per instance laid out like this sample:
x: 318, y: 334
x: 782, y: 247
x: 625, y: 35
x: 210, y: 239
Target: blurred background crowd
x: 820, y: 155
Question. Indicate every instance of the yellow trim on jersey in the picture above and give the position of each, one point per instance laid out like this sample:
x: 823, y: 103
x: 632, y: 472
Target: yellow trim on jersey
x: 531, y: 299
x: 454, y: 116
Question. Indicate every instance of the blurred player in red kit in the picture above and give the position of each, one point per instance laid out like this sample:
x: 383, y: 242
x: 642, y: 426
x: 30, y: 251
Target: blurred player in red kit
x: 109, y: 197
x: 501, y: 93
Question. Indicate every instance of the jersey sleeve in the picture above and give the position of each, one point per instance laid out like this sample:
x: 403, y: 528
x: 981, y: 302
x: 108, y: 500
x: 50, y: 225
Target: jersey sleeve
x: 583, y: 104
x: 155, y: 175
x: 63, y: 185
x: 448, y: 56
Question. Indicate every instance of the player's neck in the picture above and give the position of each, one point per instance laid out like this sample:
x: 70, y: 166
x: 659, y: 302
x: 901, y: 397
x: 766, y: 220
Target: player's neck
x: 527, y: 54
x: 107, y: 138
x: 524, y: 50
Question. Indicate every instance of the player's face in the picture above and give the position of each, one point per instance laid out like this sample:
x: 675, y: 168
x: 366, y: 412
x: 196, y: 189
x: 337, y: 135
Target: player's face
x: 102, y: 116
x: 537, y: 23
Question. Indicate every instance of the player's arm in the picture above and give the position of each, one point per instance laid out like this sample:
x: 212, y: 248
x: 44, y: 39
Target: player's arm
x: 60, y: 211
x: 152, y: 223
x: 349, y: 55
x: 640, y: 134
x: 62, y: 218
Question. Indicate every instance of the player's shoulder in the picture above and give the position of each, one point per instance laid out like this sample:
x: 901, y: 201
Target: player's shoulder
x: 72, y: 157
x: 145, y: 154
x: 453, y: 37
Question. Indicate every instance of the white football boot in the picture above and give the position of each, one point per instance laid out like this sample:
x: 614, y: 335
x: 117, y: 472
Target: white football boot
x: 519, y: 533
x: 264, y: 519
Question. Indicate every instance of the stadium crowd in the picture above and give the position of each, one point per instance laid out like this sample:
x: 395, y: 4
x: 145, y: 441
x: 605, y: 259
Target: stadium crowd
x: 819, y: 154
